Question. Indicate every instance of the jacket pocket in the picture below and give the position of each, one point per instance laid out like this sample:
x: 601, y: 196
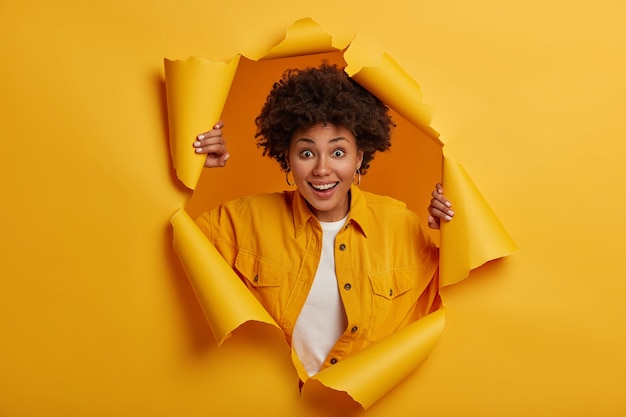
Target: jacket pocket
x: 394, y: 296
x: 264, y: 279
x: 257, y: 271
x: 392, y: 285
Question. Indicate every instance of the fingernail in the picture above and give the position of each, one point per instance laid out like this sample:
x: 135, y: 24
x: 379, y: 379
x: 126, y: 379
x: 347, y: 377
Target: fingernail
x: 451, y: 213
x: 226, y: 157
x: 200, y: 137
x: 448, y: 218
x: 197, y: 143
x: 448, y: 204
x: 198, y: 150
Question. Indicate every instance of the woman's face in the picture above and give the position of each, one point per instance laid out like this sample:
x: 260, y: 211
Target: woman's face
x: 323, y: 159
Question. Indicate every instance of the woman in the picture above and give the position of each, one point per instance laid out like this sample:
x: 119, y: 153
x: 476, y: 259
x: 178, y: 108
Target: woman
x: 337, y: 268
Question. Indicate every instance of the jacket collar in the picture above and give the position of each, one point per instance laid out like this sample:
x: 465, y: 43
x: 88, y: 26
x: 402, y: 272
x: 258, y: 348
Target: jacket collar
x: 357, y: 215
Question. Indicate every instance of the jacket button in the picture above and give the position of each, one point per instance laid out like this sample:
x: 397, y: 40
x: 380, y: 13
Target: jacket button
x: 342, y: 247
x: 354, y: 329
x: 347, y: 286
x: 390, y: 293
x: 333, y: 361
x: 256, y: 278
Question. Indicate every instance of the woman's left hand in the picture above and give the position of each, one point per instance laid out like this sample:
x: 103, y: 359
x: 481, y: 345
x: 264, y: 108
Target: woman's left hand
x: 439, y: 208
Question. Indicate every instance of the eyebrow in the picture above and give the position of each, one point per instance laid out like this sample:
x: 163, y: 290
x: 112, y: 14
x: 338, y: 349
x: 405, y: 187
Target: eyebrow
x: 308, y: 140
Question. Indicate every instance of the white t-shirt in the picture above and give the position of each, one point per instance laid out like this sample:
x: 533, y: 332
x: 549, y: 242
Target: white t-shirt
x: 322, y: 319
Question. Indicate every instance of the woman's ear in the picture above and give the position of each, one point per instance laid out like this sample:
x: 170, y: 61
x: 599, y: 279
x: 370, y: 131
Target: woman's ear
x: 359, y: 160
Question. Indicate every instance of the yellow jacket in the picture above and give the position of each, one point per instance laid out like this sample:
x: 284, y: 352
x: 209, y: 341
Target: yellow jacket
x: 386, y: 265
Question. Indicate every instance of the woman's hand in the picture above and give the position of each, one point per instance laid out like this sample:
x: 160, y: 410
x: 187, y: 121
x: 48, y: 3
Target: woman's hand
x: 213, y: 145
x: 439, y: 208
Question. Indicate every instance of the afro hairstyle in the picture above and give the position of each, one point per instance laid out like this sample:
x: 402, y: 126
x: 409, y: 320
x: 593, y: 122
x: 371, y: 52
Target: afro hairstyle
x: 327, y: 95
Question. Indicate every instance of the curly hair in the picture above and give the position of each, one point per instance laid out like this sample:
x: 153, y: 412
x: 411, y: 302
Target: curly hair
x: 305, y: 97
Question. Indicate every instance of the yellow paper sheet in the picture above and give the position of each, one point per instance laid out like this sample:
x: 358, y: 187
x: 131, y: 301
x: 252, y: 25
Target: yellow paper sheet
x: 304, y: 37
x: 374, y: 371
x: 225, y: 300
x: 369, y: 374
x: 384, y: 78
x: 196, y: 92
x: 475, y: 236
x: 97, y: 316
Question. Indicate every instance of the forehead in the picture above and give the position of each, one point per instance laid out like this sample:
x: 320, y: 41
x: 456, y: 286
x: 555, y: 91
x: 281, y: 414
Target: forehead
x: 322, y: 133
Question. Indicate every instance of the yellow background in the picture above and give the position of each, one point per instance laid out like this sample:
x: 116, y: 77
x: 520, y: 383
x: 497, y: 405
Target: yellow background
x: 96, y: 315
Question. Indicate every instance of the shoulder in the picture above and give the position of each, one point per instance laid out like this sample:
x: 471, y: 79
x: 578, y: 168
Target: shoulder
x: 388, y: 213
x: 390, y: 221
x: 246, y: 215
x: 251, y: 210
x: 387, y: 207
x: 382, y: 201
x: 256, y: 202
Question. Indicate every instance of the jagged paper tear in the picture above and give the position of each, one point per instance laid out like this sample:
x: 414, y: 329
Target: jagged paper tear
x: 225, y: 300
x: 196, y: 93
x: 476, y: 235
x: 375, y: 370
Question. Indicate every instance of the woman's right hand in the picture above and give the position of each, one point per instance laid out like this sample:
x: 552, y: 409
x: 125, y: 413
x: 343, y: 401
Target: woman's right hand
x: 213, y: 145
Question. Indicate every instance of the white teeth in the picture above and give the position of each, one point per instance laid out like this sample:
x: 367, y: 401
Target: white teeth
x: 323, y: 187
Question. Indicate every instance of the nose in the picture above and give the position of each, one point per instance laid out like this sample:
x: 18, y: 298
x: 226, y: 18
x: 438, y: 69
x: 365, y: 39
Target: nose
x: 322, y: 167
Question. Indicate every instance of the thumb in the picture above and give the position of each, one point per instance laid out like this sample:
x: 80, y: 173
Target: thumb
x: 223, y: 159
x: 433, y: 223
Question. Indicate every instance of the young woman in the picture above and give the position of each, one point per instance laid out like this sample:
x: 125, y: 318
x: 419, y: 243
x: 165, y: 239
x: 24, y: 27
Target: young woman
x: 337, y: 268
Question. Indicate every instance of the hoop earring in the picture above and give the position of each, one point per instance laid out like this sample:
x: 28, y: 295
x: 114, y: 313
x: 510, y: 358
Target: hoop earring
x: 357, y: 175
x: 287, y: 177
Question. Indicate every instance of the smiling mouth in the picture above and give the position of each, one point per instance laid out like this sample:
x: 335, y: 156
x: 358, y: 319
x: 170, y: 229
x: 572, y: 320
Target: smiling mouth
x: 323, y: 187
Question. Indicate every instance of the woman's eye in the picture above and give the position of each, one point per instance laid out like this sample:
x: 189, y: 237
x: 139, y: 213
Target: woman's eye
x: 339, y: 153
x: 306, y: 154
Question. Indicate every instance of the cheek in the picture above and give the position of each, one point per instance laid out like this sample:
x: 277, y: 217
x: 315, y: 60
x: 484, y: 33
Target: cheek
x: 349, y: 168
x: 299, y: 171
x: 348, y: 172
